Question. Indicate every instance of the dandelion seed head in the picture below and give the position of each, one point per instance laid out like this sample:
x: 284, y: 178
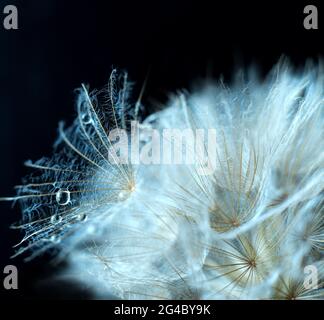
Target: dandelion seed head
x: 246, y: 230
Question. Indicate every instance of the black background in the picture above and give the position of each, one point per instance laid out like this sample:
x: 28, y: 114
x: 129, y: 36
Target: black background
x: 60, y: 44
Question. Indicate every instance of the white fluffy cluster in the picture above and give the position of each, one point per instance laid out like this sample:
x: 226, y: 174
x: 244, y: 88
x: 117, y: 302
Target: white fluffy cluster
x: 251, y: 229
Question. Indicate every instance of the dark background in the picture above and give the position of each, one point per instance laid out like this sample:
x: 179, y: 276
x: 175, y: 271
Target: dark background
x: 60, y: 44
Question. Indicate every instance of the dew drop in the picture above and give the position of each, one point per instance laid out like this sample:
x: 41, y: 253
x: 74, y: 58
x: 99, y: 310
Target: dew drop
x: 55, y: 218
x: 86, y: 118
x: 63, y: 197
x: 121, y: 195
x: 55, y: 239
x: 82, y: 217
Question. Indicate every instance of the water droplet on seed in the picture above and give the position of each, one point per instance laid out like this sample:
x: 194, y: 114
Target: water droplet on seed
x: 86, y: 118
x: 121, y: 195
x: 82, y: 217
x: 55, y: 218
x: 55, y: 239
x: 63, y: 197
